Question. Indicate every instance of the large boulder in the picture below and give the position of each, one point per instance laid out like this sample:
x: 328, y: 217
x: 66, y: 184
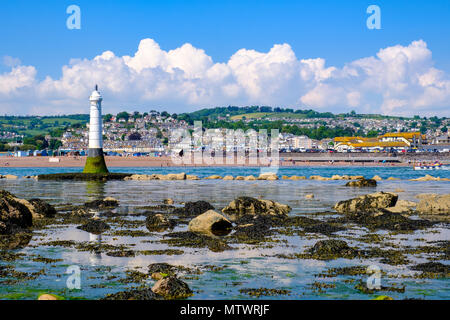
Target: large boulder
x: 13, y: 214
x: 369, y: 203
x: 250, y: 206
x: 210, y: 222
x: 362, y: 183
x: 434, y: 204
x: 172, y: 288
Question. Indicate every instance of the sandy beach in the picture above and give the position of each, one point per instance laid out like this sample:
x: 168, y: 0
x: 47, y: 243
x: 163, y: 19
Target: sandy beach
x: 71, y: 161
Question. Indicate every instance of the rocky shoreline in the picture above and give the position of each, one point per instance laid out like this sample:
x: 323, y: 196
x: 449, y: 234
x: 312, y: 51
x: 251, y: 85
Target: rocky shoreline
x: 244, y: 221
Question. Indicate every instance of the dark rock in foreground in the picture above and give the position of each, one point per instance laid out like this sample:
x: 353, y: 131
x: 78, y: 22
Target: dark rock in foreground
x: 192, y: 209
x: 432, y: 267
x: 17, y: 240
x: 13, y: 214
x: 332, y: 249
x: 390, y: 221
x: 43, y: 208
x: 102, y: 204
x: 94, y: 226
x: 84, y: 176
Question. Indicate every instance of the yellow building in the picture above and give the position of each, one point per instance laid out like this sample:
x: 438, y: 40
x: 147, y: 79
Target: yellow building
x: 396, y: 140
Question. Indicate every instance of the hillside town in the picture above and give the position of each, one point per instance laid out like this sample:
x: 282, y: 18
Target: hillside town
x: 152, y: 134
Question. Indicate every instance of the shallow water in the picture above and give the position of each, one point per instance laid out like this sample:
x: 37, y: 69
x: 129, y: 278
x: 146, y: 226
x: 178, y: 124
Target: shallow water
x: 247, y: 266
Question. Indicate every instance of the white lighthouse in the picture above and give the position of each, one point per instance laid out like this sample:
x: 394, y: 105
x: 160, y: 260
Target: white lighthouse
x: 95, y: 125
x: 95, y: 162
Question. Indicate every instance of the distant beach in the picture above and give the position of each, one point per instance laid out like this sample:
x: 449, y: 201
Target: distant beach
x: 114, y: 161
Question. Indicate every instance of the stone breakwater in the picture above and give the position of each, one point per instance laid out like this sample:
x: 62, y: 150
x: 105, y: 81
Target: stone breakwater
x: 184, y: 176
x: 273, y: 176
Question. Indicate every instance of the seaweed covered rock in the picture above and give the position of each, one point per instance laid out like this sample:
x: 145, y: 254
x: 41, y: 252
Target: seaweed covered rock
x: 41, y: 209
x: 108, y: 202
x: 196, y: 240
x: 135, y: 294
x: 254, y: 229
x: 369, y: 203
x: 434, y: 204
x: 332, y: 249
x: 19, y: 239
x: 81, y: 176
x: 362, y: 183
x: 210, y: 222
x: 157, y: 222
x: 195, y: 208
x: 172, y: 288
x: 250, y: 206
x: 161, y: 268
x: 433, y: 267
x: 94, y: 226
x: 13, y: 214
x: 386, y: 220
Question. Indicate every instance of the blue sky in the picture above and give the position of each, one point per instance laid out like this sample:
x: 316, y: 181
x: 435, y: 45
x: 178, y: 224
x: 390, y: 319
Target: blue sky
x: 35, y: 32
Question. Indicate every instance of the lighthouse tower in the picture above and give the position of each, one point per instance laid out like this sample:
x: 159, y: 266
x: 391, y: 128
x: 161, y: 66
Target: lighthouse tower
x: 95, y: 162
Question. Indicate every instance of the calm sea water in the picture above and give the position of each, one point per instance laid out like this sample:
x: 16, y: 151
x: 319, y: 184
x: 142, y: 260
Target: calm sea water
x: 246, y: 266
x: 384, y: 172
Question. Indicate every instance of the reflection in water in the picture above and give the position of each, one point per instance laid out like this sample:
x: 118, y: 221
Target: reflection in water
x: 95, y: 190
x: 95, y: 257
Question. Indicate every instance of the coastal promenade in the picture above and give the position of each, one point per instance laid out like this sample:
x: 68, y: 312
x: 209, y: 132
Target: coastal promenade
x: 286, y: 159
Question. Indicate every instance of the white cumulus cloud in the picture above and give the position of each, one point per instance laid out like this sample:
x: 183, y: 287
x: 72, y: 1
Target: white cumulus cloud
x: 396, y: 80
